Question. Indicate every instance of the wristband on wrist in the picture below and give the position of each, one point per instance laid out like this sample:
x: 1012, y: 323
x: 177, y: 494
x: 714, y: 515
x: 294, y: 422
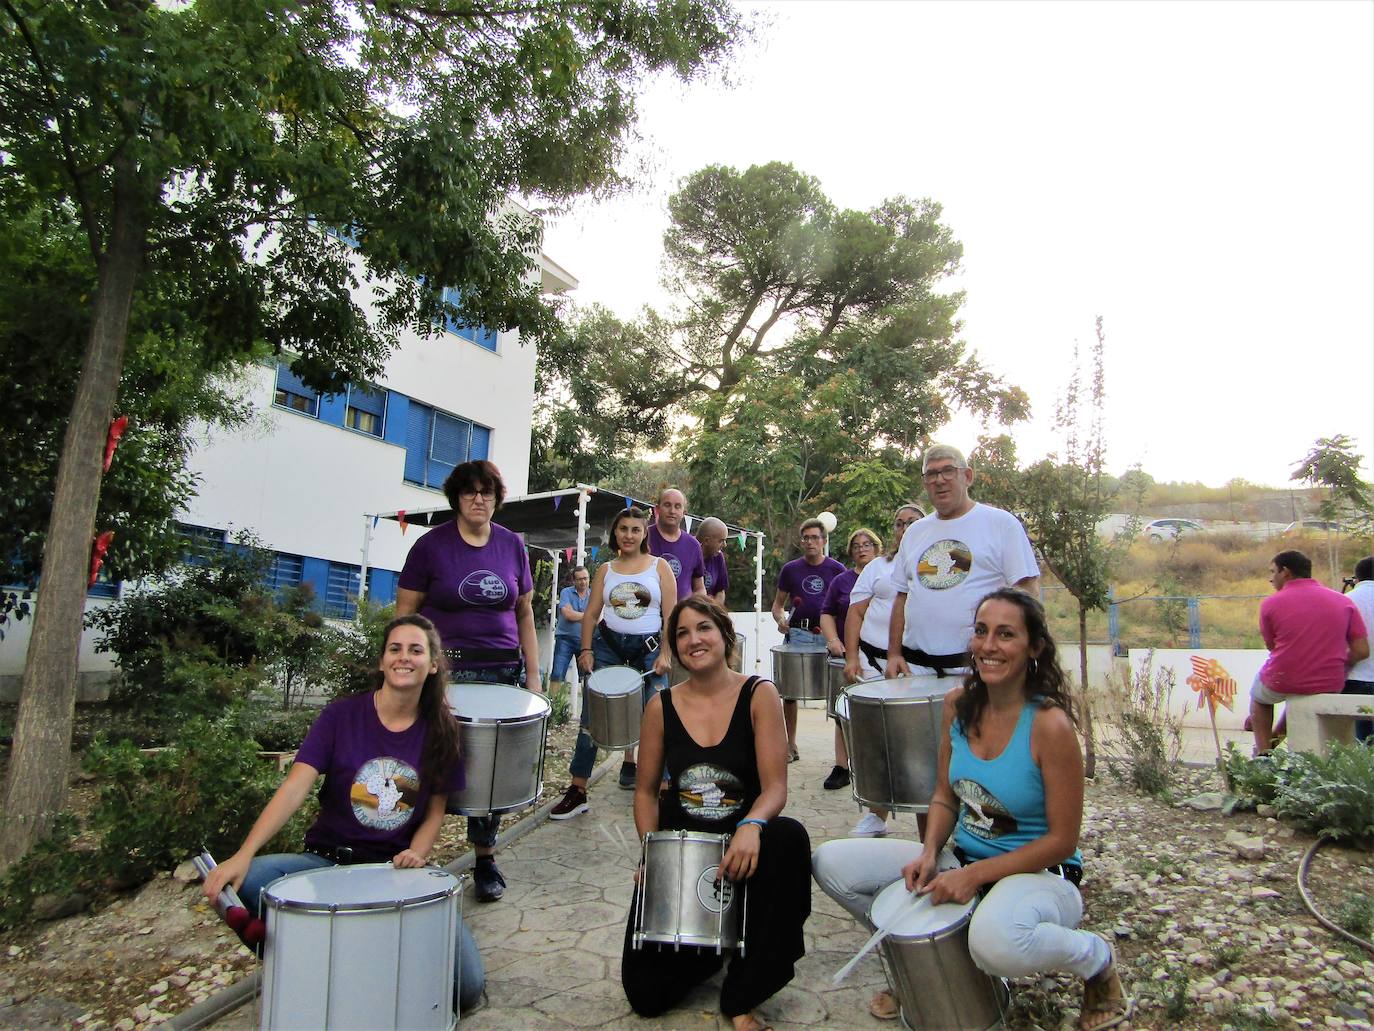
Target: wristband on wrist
x: 760, y: 824
x: 584, y: 651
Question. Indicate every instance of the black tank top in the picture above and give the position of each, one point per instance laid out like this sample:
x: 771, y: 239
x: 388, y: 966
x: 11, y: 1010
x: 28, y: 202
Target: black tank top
x: 712, y: 788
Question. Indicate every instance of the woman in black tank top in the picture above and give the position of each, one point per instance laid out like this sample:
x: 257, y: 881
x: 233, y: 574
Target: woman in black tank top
x: 735, y: 783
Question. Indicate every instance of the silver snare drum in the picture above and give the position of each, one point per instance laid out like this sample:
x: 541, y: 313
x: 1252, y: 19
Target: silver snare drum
x: 502, y: 732
x: 799, y: 671
x: 680, y: 901
x: 926, y: 954
x: 834, y: 685
x: 362, y: 947
x: 615, y: 703
x: 892, y: 731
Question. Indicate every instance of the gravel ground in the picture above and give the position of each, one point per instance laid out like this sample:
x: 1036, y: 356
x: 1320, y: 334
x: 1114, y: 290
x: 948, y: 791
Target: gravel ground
x: 1208, y: 937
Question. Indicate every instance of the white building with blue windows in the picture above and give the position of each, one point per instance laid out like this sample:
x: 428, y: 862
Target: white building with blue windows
x: 309, y: 470
x: 305, y: 473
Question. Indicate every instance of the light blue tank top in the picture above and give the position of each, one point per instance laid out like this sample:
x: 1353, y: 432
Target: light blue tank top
x: 1002, y: 800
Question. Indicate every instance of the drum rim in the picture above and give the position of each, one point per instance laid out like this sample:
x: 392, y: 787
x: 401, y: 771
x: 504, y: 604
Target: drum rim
x: 686, y: 835
x: 274, y: 902
x: 631, y: 687
x: 934, y: 935
x: 799, y: 649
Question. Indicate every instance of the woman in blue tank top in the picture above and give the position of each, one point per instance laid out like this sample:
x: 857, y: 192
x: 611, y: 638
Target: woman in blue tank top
x: 1010, y: 789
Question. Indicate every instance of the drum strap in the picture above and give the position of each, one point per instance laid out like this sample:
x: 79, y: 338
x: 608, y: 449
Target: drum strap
x: 874, y: 655
x: 482, y: 654
x: 616, y: 642
x: 1071, y: 872
x: 939, y: 663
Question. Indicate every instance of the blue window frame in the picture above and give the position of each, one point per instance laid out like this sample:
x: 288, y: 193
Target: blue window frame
x: 437, y: 441
x: 201, y: 543
x: 292, y: 393
x: 341, y: 591
x: 366, y: 411
x: 285, y: 571
x: 479, y: 335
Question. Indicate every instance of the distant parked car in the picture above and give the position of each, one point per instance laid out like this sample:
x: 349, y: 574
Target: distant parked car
x: 1315, y: 527
x: 1168, y: 529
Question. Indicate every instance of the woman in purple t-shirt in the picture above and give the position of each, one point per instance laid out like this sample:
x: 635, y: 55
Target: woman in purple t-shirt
x: 390, y: 758
x: 472, y: 578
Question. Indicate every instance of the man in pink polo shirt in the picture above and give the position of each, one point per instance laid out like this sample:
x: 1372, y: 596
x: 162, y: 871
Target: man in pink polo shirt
x: 1313, y: 635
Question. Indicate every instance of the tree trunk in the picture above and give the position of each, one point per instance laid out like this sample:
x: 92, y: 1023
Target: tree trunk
x: 36, y: 786
x: 1090, y: 746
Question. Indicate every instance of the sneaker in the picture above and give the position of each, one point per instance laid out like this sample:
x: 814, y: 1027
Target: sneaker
x: 573, y: 803
x: 490, y: 885
x: 839, y: 778
x: 627, y: 776
x: 870, y: 825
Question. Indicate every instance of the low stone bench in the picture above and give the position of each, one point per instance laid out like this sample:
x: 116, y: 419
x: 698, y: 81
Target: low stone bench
x: 1314, y: 721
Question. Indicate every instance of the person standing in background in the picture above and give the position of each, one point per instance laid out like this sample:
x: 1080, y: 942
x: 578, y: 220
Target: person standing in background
x: 716, y: 581
x: 1360, y: 678
x: 679, y: 549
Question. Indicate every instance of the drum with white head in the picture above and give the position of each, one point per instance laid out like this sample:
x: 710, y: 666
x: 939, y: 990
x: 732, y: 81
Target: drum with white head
x: 361, y: 947
x: 615, y: 703
x: 892, y: 732
x: 502, y: 731
x: 926, y: 954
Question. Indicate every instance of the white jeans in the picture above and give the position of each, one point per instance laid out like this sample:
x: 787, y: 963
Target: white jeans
x: 1025, y: 924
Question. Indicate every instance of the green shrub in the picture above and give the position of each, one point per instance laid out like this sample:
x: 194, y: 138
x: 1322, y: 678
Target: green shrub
x: 277, y: 731
x: 1330, y: 794
x: 353, y: 659
x: 203, y: 791
x: 560, y: 704
x: 54, y: 865
x: 1150, y: 734
x: 1356, y: 914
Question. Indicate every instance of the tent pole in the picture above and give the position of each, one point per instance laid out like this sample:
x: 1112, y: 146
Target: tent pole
x: 582, y: 528
x: 758, y: 603
x: 362, y: 575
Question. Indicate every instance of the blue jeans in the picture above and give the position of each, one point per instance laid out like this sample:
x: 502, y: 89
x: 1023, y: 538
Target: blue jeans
x: 1364, y: 729
x: 796, y: 635
x: 482, y: 830
x: 584, y: 752
x: 564, y: 651
x: 469, y: 976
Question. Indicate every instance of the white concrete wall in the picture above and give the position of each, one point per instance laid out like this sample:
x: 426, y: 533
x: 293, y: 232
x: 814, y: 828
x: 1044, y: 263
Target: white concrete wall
x: 95, y: 667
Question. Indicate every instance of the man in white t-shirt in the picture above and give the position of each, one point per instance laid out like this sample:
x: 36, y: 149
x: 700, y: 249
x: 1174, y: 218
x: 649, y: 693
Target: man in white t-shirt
x: 947, y: 562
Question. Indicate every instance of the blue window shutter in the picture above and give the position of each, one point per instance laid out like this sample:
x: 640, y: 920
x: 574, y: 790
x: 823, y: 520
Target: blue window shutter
x: 381, y: 585
x: 288, y: 380
x: 285, y: 571
x: 485, y: 338
x: 418, y: 418
x: 452, y: 295
x: 450, y: 447
x: 341, y: 597
x: 397, y: 422
x: 368, y: 398
x: 332, y: 408
x: 315, y: 572
x: 481, y: 443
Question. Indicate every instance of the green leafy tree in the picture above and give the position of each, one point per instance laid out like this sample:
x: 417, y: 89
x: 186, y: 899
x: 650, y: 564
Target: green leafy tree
x: 1334, y: 465
x: 210, y: 142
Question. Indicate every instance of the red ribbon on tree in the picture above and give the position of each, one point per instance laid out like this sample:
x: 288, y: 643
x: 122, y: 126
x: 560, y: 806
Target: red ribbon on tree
x: 117, y: 429
x: 102, y: 545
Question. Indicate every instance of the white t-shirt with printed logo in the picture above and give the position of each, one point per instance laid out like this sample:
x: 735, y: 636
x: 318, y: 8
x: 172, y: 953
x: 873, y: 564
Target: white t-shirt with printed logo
x: 946, y: 566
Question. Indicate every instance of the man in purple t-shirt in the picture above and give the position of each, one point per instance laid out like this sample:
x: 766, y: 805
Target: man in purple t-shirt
x: 797, y: 605
x: 711, y: 535
x: 680, y: 550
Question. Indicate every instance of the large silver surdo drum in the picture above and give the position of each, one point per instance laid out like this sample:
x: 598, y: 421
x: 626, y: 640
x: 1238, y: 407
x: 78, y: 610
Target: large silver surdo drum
x: 615, y: 703
x: 834, y: 684
x: 799, y: 671
x: 736, y: 662
x: 926, y: 955
x: 501, y: 731
x: 892, y: 732
x: 680, y: 900
x: 361, y: 947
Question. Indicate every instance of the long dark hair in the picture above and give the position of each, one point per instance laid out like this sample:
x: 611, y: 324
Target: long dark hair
x: 712, y: 611
x: 1043, y: 676
x: 630, y: 513
x: 441, y: 753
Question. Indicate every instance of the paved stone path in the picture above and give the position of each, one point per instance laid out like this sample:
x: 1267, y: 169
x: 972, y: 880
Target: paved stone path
x: 552, y: 945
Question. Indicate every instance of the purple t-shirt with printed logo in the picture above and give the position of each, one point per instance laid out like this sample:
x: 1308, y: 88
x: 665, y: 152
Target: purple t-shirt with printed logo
x: 372, y: 799
x: 682, y: 555
x: 470, y: 593
x: 805, y: 587
x: 717, y: 576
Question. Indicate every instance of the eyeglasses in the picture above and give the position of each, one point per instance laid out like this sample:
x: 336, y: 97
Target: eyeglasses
x: 947, y: 472
x: 904, y: 522
x: 813, y: 537
x: 468, y: 495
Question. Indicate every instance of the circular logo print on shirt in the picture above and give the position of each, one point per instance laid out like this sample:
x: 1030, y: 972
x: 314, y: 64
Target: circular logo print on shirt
x: 982, y: 814
x: 483, y: 587
x: 384, y: 793
x: 709, y: 792
x: 674, y: 565
x: 944, y: 564
x: 630, y: 599
x: 715, y: 896
x: 813, y: 584
x: 710, y: 581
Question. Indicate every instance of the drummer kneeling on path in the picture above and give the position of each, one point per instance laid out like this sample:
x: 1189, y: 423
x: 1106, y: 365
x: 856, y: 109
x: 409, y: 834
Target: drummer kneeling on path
x: 1009, y: 788
x: 720, y: 735
x: 390, y: 758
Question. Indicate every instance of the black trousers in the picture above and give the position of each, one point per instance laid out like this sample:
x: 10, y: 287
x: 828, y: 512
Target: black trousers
x: 656, y: 978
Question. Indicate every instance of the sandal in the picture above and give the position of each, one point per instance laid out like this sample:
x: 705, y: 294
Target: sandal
x: 884, y: 1006
x: 1105, y: 1002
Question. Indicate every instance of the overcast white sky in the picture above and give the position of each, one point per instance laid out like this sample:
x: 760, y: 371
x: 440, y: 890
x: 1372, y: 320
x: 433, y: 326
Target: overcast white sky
x: 1200, y: 174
